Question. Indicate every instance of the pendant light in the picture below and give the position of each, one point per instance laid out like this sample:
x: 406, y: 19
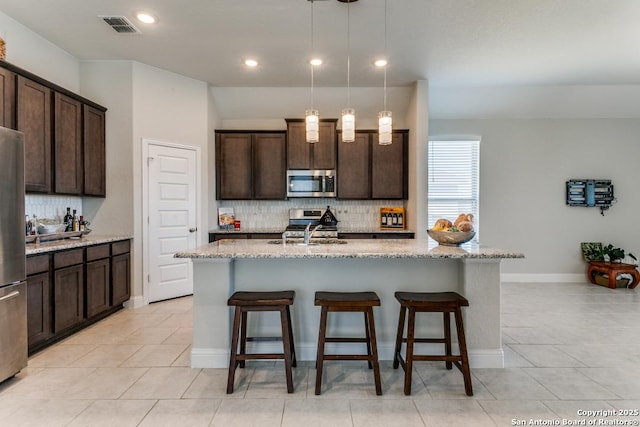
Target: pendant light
x: 312, y: 120
x: 348, y: 114
x: 385, y: 127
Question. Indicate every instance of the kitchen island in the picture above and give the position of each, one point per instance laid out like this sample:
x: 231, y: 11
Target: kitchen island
x: 383, y: 266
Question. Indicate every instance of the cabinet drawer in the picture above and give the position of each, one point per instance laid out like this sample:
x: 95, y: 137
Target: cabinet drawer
x: 123, y: 247
x: 67, y: 258
x: 97, y: 252
x: 37, y: 264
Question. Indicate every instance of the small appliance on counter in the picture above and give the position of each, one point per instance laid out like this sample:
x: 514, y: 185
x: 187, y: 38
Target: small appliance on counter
x: 300, y: 218
x: 392, y: 219
x: 13, y: 288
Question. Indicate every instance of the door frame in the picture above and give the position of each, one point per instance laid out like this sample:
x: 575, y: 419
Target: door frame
x: 146, y: 142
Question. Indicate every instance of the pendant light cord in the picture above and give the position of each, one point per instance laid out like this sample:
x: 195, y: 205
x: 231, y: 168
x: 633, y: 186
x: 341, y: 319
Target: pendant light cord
x: 386, y: 55
x: 312, y: 52
x: 348, y: 55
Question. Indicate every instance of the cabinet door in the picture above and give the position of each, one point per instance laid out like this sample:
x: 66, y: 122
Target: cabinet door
x: 353, y: 168
x: 233, y: 166
x: 389, y: 168
x: 120, y: 279
x: 269, y: 166
x: 324, y: 151
x: 298, y: 149
x: 34, y: 120
x: 98, y: 287
x: 95, y: 183
x: 7, y: 98
x: 67, y: 148
x: 68, y: 297
x: 39, y: 313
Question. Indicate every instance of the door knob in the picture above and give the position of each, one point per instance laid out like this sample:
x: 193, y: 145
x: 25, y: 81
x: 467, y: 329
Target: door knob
x: 193, y: 230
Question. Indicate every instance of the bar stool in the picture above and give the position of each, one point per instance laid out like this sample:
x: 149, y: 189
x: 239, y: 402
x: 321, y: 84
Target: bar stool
x: 348, y: 302
x: 440, y: 302
x: 245, y: 302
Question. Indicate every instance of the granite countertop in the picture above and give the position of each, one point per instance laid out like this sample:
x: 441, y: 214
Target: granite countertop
x: 78, y: 242
x: 357, y: 248
x: 281, y: 229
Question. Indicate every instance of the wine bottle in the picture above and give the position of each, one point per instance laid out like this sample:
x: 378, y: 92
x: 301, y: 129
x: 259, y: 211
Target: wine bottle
x: 75, y: 222
x: 68, y: 219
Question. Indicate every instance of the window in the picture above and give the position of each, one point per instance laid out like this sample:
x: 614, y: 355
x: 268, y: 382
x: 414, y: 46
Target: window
x: 454, y: 179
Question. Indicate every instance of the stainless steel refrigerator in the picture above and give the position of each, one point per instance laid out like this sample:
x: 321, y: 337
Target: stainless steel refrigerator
x: 13, y: 288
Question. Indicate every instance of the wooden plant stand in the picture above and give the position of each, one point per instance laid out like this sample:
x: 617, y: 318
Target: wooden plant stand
x: 613, y: 269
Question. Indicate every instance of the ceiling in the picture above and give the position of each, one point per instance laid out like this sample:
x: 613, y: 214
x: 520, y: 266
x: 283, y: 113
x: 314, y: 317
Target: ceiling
x: 448, y: 42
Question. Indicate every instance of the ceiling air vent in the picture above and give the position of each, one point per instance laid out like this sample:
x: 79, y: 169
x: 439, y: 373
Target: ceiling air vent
x: 120, y: 24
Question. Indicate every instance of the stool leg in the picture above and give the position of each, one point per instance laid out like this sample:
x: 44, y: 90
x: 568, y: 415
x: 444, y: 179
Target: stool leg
x: 408, y: 367
x: 234, y: 348
x: 466, y: 373
x: 368, y: 337
x: 293, y: 347
x: 374, y: 349
x: 286, y: 347
x: 446, y: 318
x: 399, y: 336
x: 243, y: 337
x: 320, y: 354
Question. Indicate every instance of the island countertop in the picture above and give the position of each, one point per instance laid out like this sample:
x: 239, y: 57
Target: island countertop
x: 356, y: 248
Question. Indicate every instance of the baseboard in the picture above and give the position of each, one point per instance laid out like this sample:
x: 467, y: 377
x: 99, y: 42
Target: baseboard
x: 135, y: 302
x: 544, y: 278
x: 210, y: 358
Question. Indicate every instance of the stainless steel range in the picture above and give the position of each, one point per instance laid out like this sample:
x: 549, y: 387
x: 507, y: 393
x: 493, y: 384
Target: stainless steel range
x: 315, y: 219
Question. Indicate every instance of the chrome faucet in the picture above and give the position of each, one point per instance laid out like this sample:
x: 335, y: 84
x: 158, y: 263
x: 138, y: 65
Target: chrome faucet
x: 308, y: 233
x: 284, y: 238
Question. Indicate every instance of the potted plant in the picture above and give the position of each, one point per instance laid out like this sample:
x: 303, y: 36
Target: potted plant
x: 596, y: 252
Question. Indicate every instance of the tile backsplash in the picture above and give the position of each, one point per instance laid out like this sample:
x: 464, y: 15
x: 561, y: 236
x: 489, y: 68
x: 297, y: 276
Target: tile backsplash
x: 275, y: 213
x: 51, y: 207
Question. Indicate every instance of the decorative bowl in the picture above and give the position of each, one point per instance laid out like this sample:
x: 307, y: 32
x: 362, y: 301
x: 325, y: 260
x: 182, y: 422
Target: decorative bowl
x: 51, y: 228
x: 451, y: 238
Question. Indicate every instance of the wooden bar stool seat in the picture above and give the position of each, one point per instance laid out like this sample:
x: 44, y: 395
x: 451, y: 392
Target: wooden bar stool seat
x: 348, y: 302
x: 440, y: 302
x: 245, y: 302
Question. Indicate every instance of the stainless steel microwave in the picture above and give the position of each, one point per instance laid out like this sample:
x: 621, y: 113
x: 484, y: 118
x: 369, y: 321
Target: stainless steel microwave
x: 311, y: 183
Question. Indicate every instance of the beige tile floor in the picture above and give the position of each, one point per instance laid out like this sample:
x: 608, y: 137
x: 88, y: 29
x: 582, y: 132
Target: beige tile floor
x: 568, y: 347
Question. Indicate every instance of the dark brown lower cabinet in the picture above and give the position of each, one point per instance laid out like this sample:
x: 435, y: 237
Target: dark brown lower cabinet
x: 39, y: 319
x: 71, y: 289
x: 98, y: 287
x: 121, y: 278
x: 68, y: 297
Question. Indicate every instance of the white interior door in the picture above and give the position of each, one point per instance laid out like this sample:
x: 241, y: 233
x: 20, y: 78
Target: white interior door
x: 172, y: 220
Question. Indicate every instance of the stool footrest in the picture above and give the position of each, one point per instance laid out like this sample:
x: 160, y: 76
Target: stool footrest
x: 264, y: 338
x: 347, y: 357
x: 428, y: 340
x: 432, y: 358
x: 347, y: 340
x: 259, y: 356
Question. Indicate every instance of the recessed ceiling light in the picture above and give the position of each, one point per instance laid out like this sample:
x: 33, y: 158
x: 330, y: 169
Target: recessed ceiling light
x: 380, y: 62
x: 146, y: 18
x: 316, y: 61
x: 250, y: 62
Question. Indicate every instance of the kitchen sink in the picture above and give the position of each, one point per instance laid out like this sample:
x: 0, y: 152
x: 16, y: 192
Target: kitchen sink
x: 314, y: 242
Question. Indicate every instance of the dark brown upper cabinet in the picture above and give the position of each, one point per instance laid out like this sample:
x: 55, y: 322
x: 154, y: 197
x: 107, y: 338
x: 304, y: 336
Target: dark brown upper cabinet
x: 34, y: 120
x: 94, y: 150
x: 67, y: 147
x: 367, y: 170
x: 303, y: 155
x: 64, y: 134
x: 250, y: 165
x: 7, y: 98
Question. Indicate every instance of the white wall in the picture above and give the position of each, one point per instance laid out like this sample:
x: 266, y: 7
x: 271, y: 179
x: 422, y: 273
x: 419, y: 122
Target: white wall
x: 524, y: 164
x: 33, y: 53
x: 167, y: 107
x: 109, y: 83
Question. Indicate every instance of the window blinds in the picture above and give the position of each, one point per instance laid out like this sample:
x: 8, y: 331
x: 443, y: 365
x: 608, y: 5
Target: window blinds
x: 454, y: 174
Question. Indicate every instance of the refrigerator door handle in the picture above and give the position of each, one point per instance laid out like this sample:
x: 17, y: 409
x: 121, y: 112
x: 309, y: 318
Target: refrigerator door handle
x: 12, y: 295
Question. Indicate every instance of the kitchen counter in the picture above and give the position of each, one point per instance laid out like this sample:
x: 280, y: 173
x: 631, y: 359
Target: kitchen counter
x: 59, y: 245
x: 383, y: 266
x: 281, y: 229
